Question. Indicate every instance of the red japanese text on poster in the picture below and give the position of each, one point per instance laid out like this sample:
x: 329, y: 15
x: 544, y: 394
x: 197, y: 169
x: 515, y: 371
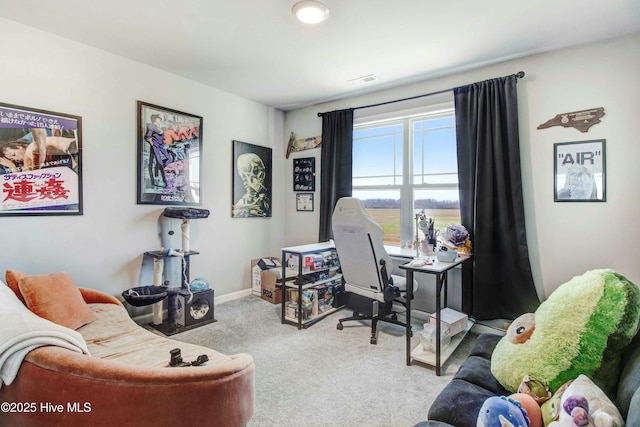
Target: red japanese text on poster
x: 40, y: 162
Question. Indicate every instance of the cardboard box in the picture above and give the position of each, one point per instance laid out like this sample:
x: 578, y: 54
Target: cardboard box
x: 271, y: 292
x: 272, y: 277
x: 454, y: 320
x: 271, y: 284
x: 256, y: 274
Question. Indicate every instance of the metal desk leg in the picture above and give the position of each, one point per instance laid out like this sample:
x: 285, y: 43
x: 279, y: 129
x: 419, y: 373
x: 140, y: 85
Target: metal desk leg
x: 283, y: 287
x: 438, y: 326
x: 445, y: 285
x: 409, y: 296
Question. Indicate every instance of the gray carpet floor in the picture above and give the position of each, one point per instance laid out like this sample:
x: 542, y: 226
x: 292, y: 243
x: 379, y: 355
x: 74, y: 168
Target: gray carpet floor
x: 320, y: 376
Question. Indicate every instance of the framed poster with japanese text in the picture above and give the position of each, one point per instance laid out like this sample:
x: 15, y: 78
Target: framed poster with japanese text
x: 40, y: 162
x: 169, y: 156
x: 579, y: 171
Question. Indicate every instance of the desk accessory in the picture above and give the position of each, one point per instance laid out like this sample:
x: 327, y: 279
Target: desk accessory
x: 445, y: 255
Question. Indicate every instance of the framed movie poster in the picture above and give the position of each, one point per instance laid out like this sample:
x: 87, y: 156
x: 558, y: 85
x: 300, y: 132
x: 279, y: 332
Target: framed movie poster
x: 251, y: 181
x: 579, y: 171
x: 40, y: 162
x: 169, y: 156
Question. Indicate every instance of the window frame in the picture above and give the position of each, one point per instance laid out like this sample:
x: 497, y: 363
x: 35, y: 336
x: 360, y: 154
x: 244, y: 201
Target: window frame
x: 407, y: 189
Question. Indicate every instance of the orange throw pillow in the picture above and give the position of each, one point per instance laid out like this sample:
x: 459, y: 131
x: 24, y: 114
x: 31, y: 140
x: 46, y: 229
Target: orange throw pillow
x: 56, y: 298
x: 12, y: 277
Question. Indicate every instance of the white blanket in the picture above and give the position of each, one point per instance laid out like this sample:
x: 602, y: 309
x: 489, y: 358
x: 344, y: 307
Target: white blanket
x: 22, y: 331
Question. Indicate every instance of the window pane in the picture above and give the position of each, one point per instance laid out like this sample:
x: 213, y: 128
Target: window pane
x: 434, y: 152
x: 441, y: 205
x: 430, y: 178
x: 377, y: 155
x: 376, y: 181
x: 383, y: 207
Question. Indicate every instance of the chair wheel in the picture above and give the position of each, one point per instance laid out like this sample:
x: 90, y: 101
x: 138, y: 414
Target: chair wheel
x: 339, y: 326
x: 373, y: 340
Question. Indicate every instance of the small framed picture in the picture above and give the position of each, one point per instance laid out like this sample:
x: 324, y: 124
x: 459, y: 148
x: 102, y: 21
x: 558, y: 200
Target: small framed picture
x: 579, y: 171
x: 304, y: 202
x: 304, y: 174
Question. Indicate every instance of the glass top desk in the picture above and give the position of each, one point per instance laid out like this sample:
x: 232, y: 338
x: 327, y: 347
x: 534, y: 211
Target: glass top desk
x: 440, y: 270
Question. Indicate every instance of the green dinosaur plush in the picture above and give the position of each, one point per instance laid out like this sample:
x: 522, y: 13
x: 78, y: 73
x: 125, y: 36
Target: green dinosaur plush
x: 582, y: 328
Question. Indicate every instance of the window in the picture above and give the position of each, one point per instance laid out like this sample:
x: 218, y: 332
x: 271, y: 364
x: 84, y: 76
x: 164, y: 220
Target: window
x: 403, y: 165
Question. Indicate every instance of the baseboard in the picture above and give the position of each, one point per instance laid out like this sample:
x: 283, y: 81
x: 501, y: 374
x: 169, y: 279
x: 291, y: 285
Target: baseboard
x: 479, y: 327
x: 232, y: 296
x: 145, y: 319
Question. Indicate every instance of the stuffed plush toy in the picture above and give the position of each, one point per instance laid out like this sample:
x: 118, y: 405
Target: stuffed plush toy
x: 582, y: 328
x: 533, y: 387
x: 499, y: 411
x: 529, y: 404
x: 551, y: 408
x: 584, y: 404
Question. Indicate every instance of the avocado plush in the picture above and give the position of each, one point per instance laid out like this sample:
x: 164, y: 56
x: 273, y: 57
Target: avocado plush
x: 582, y: 328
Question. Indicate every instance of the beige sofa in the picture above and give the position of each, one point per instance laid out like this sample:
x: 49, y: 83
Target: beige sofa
x: 126, y: 380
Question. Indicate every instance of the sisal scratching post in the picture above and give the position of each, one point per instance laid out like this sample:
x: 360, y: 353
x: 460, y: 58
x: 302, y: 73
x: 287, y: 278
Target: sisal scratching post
x: 158, y: 269
x: 185, y: 236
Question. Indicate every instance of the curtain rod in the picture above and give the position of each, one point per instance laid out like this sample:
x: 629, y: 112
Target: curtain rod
x: 519, y: 75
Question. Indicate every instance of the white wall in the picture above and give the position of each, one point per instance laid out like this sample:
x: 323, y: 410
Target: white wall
x: 103, y: 248
x: 565, y: 239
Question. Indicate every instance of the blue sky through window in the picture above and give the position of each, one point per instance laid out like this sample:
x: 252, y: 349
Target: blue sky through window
x: 378, y: 157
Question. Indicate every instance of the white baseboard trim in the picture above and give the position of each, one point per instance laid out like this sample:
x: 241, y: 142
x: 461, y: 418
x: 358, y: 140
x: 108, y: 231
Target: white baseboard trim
x: 480, y: 328
x: 232, y: 296
x: 145, y: 319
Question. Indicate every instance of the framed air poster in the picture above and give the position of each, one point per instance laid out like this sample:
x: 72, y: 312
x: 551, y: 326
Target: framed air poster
x: 579, y: 171
x: 40, y: 162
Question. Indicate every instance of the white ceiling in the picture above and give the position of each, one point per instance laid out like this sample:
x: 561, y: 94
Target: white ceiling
x: 255, y: 48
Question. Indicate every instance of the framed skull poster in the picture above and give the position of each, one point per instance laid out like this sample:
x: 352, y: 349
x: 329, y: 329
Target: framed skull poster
x: 251, y: 181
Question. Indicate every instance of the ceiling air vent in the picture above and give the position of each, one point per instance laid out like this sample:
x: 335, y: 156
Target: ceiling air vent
x: 364, y: 79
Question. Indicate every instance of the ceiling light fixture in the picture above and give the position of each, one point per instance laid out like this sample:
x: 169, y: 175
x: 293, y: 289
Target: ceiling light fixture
x: 310, y: 12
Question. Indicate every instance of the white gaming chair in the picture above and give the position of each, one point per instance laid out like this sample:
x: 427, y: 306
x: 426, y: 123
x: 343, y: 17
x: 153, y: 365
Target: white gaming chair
x: 366, y: 266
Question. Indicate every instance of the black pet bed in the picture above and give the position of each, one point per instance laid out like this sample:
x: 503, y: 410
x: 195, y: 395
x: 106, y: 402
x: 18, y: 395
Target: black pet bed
x: 145, y: 295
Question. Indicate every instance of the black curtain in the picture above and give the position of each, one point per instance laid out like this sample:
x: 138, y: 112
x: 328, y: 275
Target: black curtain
x: 336, y: 169
x: 498, y: 283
